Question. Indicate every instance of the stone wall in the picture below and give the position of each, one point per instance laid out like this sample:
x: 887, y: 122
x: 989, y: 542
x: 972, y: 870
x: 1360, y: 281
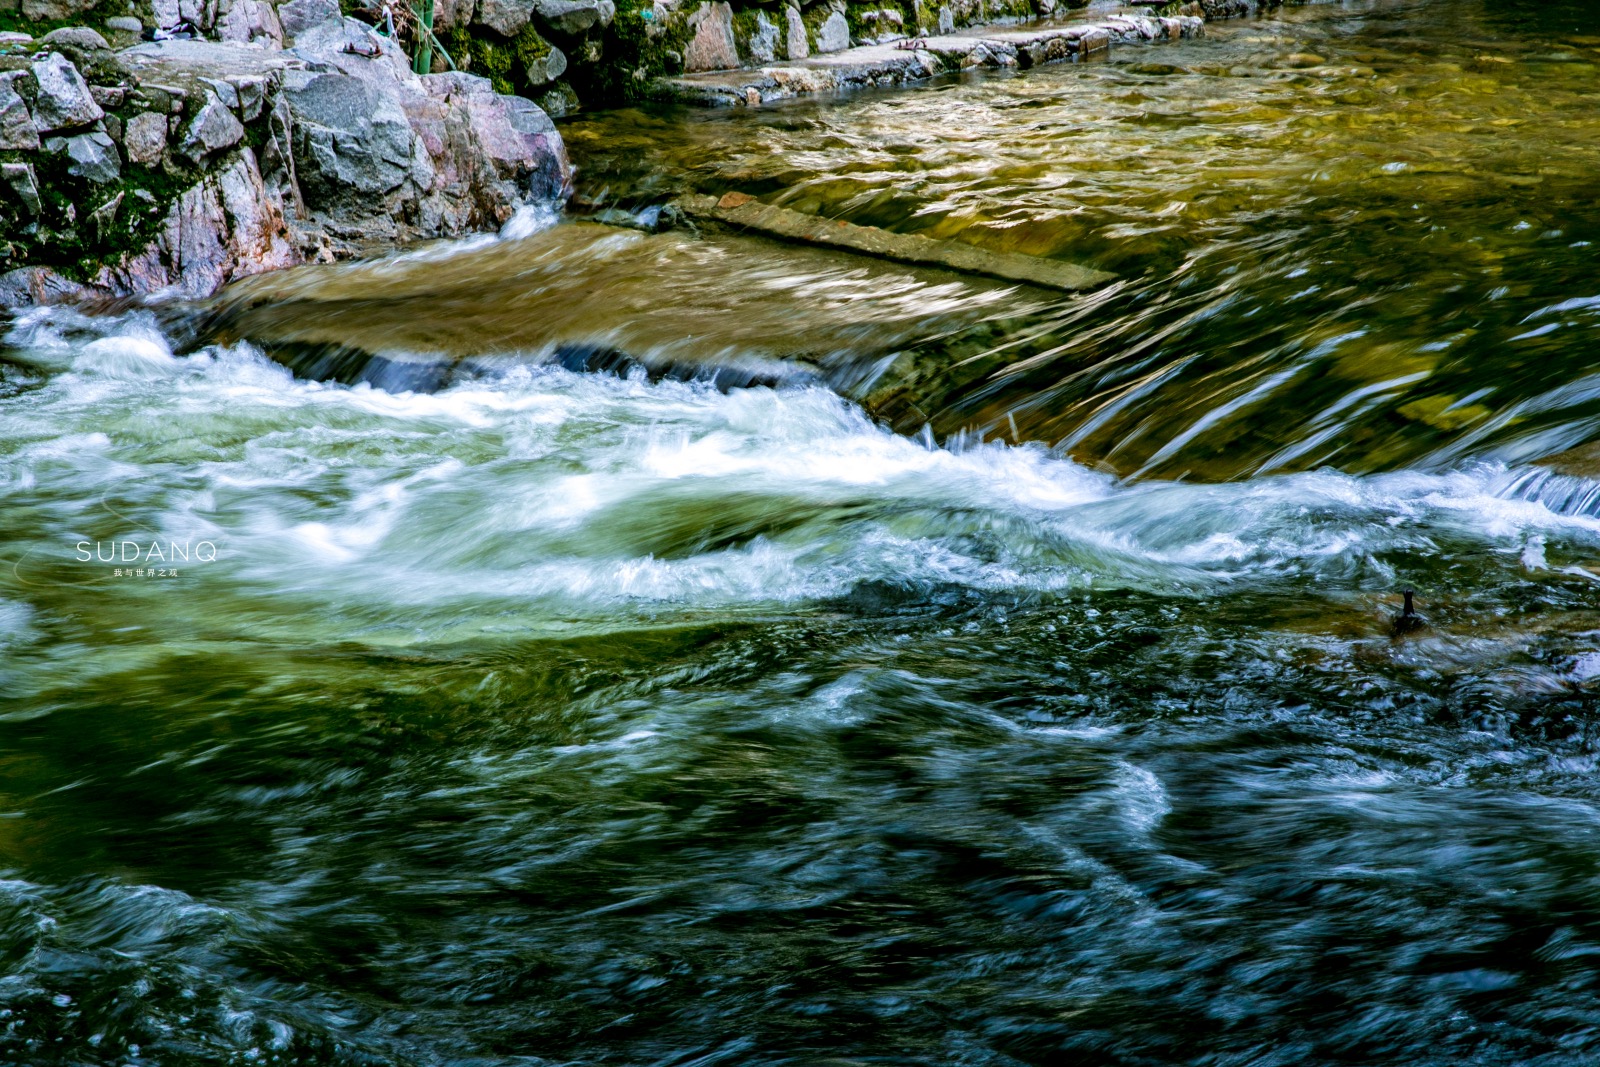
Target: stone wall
x: 561, y: 52
x: 180, y: 164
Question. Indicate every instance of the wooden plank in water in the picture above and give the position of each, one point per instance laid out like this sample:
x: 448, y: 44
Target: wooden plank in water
x: 739, y: 211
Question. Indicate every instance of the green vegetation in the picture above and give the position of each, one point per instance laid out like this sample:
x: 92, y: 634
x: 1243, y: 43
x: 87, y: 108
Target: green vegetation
x: 503, y: 61
x: 637, y: 49
x: 14, y: 21
x: 65, y: 238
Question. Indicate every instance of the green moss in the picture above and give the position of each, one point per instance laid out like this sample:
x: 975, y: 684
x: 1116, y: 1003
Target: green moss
x: 63, y: 238
x: 527, y: 46
x: 744, y: 28
x: 860, y: 28
x: 558, y: 100
x: 813, y: 17
x: 459, y: 41
x: 633, y: 58
x: 14, y: 22
x: 492, y: 60
x: 504, y: 62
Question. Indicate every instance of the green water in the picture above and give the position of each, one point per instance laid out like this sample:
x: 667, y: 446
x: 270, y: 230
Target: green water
x: 670, y: 649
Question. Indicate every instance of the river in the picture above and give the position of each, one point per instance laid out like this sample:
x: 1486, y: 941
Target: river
x: 675, y: 649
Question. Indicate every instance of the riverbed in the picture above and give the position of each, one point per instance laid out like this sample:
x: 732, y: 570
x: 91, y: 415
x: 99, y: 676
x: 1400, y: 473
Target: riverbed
x: 627, y: 647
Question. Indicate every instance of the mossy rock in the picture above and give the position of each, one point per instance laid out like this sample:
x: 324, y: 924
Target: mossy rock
x: 13, y: 21
x: 64, y: 239
x: 637, y: 46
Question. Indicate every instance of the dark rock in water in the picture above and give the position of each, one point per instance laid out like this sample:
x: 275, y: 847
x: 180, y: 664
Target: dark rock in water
x: 354, y: 366
x: 603, y: 359
x: 1409, y: 621
x: 748, y: 214
x: 876, y: 596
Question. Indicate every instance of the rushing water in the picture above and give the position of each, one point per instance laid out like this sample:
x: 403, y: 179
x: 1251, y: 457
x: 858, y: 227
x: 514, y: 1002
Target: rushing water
x: 740, y: 653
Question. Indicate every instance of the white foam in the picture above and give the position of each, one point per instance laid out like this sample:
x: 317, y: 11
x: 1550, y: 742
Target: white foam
x: 129, y: 356
x: 573, y: 494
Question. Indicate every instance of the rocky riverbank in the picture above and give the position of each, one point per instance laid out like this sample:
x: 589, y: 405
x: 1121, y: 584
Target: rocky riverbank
x: 898, y: 60
x: 174, y: 145
x: 181, y: 164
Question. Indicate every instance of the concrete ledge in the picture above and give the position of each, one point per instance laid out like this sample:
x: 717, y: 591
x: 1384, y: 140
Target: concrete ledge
x: 919, y: 58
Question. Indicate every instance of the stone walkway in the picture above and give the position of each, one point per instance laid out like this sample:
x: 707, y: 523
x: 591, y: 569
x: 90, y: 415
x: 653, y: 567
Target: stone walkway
x: 917, y: 59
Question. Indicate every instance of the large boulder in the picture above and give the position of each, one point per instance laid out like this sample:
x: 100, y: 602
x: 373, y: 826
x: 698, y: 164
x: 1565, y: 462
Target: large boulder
x: 511, y: 135
x: 62, y: 100
x: 573, y: 17
x: 713, y: 46
x: 504, y: 16
x: 834, y: 35
x: 350, y: 139
x: 298, y: 16
x: 252, y: 22
x: 764, y: 42
x: 795, y: 43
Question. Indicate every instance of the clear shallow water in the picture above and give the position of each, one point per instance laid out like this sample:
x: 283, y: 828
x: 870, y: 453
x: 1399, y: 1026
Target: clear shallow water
x: 564, y: 717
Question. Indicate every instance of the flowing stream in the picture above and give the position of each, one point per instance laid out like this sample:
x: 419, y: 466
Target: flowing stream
x: 596, y: 646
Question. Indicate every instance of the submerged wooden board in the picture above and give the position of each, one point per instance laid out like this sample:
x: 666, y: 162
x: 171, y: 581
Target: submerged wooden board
x: 747, y: 213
